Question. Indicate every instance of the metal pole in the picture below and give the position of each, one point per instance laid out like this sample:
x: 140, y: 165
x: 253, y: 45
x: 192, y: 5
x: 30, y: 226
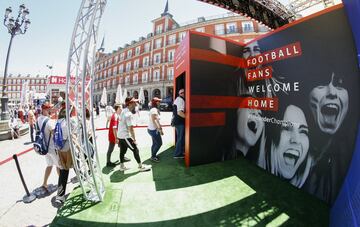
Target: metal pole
x: 28, y: 198
x: 4, y: 98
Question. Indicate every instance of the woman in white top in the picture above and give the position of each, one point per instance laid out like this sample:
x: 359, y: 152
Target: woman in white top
x: 154, y: 128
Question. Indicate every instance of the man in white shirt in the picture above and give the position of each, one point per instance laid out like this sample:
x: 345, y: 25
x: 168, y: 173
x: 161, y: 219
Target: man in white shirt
x: 179, y: 123
x: 51, y: 157
x: 126, y: 134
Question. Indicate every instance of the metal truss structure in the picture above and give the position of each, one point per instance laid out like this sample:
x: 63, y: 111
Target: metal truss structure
x: 79, y: 86
x: 269, y: 12
x: 297, y: 6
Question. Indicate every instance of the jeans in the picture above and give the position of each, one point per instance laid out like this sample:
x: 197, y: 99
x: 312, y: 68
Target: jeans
x: 156, y: 142
x: 180, y: 143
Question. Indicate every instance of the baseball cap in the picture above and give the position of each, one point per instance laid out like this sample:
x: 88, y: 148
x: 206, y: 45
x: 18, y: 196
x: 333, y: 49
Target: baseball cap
x: 46, y: 106
x: 130, y: 99
x: 156, y: 99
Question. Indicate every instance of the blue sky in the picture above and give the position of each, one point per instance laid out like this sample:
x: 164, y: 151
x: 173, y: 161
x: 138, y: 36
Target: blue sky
x: 47, y: 40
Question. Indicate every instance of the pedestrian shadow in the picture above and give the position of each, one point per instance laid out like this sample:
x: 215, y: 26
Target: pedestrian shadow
x: 106, y: 170
x: 119, y: 176
x: 28, y: 143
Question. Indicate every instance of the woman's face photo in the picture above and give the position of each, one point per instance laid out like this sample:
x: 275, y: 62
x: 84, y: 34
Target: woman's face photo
x: 329, y: 104
x: 294, y: 142
x: 249, y: 128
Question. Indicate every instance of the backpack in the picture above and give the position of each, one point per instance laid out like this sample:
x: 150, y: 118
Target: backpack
x: 39, y: 145
x: 58, y: 136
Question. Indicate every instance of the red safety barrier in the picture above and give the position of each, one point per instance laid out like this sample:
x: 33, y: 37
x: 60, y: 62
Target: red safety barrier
x: 98, y: 129
x: 18, y: 154
x: 140, y: 126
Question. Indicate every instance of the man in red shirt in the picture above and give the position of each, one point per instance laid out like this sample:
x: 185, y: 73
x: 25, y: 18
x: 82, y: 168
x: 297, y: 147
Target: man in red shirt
x: 112, y: 135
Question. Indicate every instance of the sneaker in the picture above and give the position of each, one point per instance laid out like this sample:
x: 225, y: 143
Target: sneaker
x: 60, y: 199
x: 127, y: 159
x: 155, y: 159
x: 123, y: 168
x: 110, y: 164
x: 144, y: 168
x: 178, y: 157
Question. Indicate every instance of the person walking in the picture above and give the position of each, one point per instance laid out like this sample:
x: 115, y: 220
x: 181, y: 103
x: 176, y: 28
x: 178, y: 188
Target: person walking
x: 126, y: 135
x: 154, y: 129
x: 179, y: 123
x: 32, y: 120
x: 113, y: 135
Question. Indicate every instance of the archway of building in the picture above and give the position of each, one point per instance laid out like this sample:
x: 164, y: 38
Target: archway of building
x: 136, y: 94
x: 156, y: 93
x: 113, y: 99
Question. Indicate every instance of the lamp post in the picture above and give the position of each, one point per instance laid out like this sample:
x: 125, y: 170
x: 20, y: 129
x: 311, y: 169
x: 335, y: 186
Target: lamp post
x: 15, y: 27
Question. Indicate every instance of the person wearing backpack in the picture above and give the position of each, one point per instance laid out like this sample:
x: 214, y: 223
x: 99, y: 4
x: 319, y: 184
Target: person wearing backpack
x: 62, y: 147
x: 44, y: 122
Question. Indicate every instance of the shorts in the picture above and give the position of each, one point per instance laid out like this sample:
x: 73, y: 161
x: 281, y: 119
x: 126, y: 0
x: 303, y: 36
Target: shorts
x: 52, y: 159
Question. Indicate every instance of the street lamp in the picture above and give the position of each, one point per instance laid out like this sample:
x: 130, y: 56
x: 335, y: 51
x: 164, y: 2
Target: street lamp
x: 15, y: 27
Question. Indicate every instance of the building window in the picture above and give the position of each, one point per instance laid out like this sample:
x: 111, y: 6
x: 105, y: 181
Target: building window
x: 145, y: 77
x: 182, y: 36
x: 114, y: 83
x: 157, y: 58
x: 116, y: 59
x: 247, y: 26
x: 122, y: 56
x: 129, y: 54
x: 105, y: 74
x: 128, y: 66
x: 158, y: 43
x: 115, y: 70
x: 146, y: 61
x: 231, y: 28
x: 172, y: 39
x: 219, y: 29
x: 109, y: 72
x: 121, y: 68
x: 159, y: 29
x: 147, y: 47
x: 137, y: 50
x: 202, y: 29
x: 170, y: 73
x: 127, y: 80
x: 171, y: 54
x: 135, y: 78
x: 156, y: 76
x: 136, y: 64
x: 110, y: 61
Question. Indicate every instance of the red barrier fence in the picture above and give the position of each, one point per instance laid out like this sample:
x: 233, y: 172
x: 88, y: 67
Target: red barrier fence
x: 30, y: 149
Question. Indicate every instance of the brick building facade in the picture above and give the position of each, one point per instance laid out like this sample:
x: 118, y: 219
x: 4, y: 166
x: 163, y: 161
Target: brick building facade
x: 149, y: 62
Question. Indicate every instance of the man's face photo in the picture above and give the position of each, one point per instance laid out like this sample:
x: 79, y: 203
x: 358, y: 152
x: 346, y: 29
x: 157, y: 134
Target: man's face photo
x: 329, y: 104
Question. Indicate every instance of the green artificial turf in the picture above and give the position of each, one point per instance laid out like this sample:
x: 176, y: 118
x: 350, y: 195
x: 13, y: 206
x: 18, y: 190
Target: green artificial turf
x: 231, y: 193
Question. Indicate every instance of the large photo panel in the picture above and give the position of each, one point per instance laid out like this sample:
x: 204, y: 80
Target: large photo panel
x: 309, y: 139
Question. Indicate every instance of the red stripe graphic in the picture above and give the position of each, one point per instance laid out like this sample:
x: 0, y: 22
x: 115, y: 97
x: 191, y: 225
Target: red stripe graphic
x: 207, y: 119
x: 232, y: 102
x: 212, y: 56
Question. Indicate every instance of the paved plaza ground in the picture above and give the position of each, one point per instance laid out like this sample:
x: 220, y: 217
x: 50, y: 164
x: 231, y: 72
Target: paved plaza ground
x: 13, y: 212
x: 231, y: 193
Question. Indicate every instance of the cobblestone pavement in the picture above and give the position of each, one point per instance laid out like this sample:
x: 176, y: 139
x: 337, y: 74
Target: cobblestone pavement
x: 13, y: 212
